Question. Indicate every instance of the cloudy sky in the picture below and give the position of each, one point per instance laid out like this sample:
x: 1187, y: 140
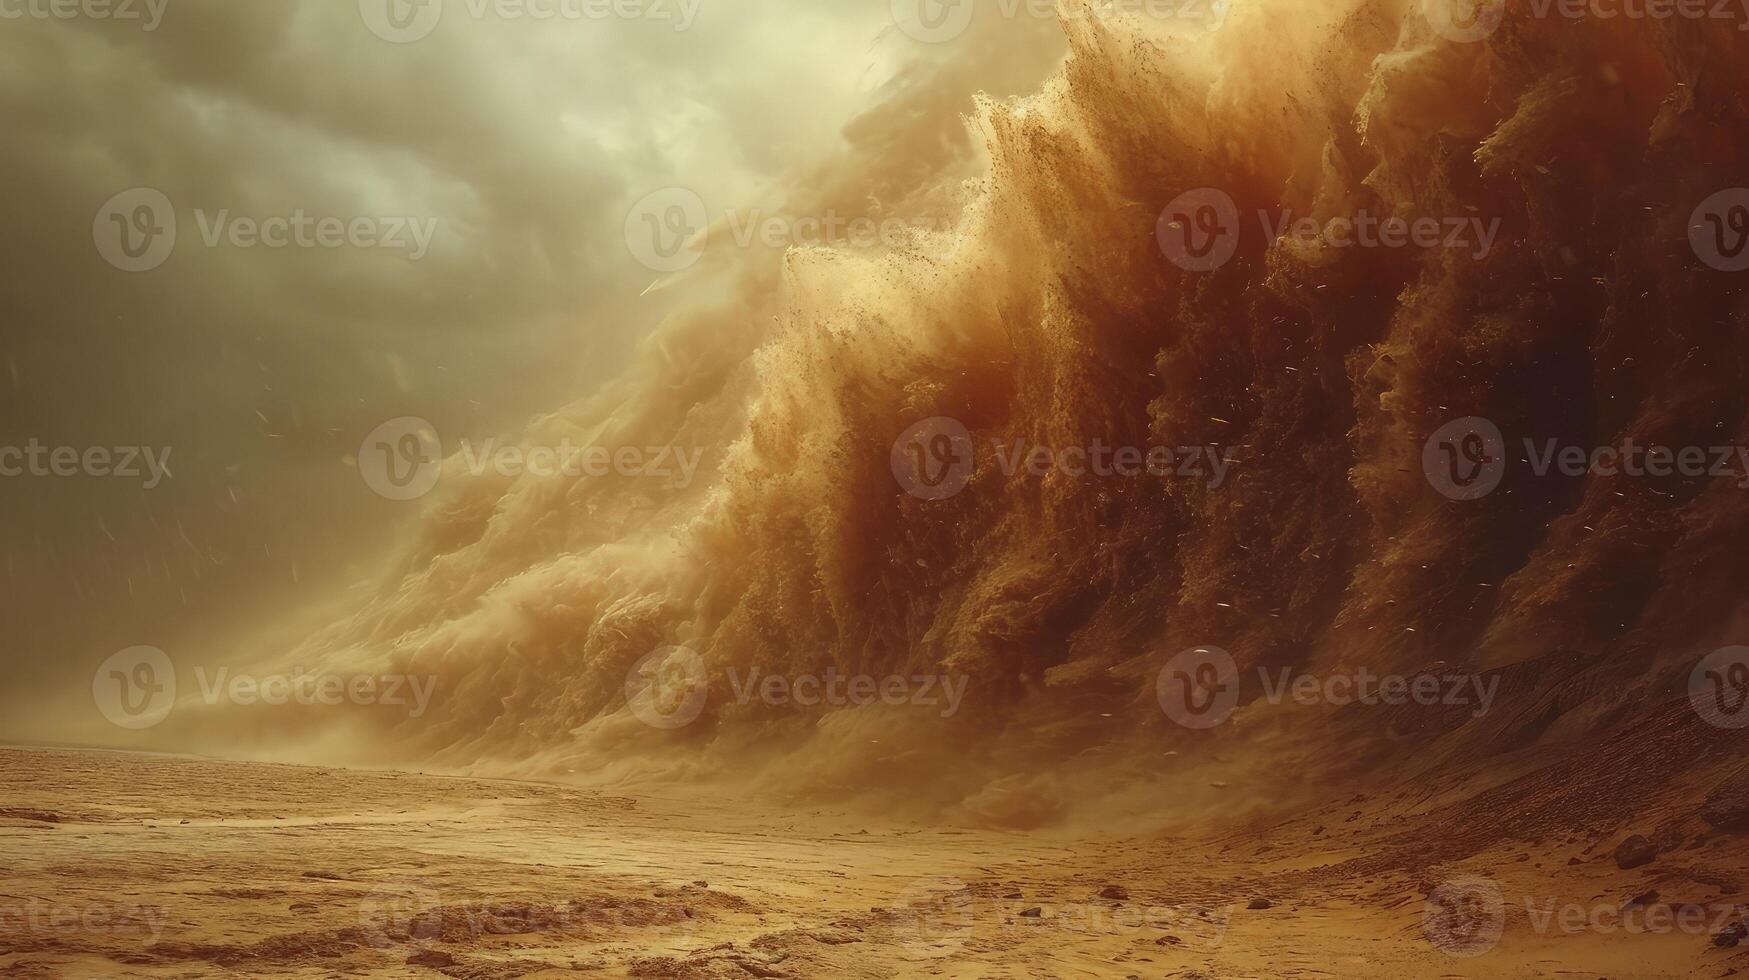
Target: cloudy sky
x: 240, y: 236
x: 518, y: 144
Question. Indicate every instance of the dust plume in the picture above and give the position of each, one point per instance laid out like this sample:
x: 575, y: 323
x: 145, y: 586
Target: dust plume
x: 1043, y: 311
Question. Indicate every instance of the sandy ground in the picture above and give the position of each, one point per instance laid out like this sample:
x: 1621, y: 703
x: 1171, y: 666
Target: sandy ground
x: 120, y: 865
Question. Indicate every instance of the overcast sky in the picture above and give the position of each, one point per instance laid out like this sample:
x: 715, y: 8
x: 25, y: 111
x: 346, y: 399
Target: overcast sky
x: 520, y: 144
x: 239, y: 236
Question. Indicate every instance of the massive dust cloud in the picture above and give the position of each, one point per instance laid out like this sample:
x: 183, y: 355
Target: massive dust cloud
x: 1196, y: 488
x: 1003, y: 277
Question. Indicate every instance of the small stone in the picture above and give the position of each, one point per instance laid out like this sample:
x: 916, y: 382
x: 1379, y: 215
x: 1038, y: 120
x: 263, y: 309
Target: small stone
x: 434, y: 958
x: 1260, y: 903
x: 1731, y: 935
x: 1032, y: 913
x: 1116, y: 892
x: 1634, y: 852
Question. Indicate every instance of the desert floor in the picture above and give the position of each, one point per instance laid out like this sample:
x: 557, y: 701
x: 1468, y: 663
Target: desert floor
x: 121, y: 865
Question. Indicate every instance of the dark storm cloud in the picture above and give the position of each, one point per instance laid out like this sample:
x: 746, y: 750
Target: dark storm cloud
x: 518, y: 144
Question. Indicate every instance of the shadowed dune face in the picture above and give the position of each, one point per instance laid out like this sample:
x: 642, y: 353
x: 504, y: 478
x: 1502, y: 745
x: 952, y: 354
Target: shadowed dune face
x: 1070, y: 304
